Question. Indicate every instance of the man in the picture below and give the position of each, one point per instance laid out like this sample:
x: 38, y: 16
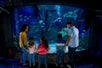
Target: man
x: 72, y: 42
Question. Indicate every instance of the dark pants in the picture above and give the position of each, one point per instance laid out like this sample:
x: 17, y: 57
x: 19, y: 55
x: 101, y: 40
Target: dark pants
x: 72, y: 56
x: 42, y: 59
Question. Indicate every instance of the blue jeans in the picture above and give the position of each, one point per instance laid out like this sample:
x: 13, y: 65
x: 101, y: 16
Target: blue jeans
x: 31, y: 58
x: 42, y: 59
x: 60, y: 55
x: 24, y: 55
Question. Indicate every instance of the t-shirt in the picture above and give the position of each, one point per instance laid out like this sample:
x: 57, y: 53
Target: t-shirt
x: 31, y: 50
x: 74, y: 33
x: 60, y: 42
x: 41, y: 49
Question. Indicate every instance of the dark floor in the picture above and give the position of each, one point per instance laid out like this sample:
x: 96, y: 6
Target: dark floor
x: 11, y: 63
x: 83, y: 60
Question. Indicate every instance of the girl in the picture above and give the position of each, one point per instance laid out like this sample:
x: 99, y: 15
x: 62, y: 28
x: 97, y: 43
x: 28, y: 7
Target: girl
x: 31, y: 52
x: 23, y: 43
x: 42, y: 52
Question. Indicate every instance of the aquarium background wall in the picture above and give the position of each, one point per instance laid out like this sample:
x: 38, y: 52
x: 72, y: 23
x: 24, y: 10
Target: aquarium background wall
x: 49, y: 21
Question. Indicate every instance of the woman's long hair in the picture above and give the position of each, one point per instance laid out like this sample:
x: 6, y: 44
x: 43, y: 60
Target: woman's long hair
x: 23, y: 27
x: 44, y: 41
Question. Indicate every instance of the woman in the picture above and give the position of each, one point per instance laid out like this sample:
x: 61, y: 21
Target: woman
x: 23, y: 43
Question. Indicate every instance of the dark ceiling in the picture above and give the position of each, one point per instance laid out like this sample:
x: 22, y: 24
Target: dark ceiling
x: 87, y: 4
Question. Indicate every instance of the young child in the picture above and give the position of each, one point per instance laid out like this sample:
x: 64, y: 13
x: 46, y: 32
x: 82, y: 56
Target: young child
x: 42, y: 51
x: 31, y: 52
x: 60, y: 50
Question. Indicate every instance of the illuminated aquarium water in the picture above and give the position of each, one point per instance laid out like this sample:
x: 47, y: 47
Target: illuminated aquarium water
x: 48, y: 21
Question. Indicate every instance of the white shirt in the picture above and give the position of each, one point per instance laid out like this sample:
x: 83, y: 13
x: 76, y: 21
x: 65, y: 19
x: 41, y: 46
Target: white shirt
x: 59, y: 44
x: 31, y: 50
x: 74, y: 33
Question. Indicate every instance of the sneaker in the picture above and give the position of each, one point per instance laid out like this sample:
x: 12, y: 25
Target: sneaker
x: 33, y: 64
x: 29, y: 65
x: 20, y: 62
x: 61, y: 66
x: 56, y: 64
x: 69, y: 66
x: 24, y: 64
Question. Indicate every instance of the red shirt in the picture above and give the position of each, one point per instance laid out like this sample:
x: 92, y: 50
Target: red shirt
x: 41, y: 49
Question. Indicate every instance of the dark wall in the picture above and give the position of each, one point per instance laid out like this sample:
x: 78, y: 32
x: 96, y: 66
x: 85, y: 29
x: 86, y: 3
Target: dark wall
x: 5, y: 33
x: 95, y: 48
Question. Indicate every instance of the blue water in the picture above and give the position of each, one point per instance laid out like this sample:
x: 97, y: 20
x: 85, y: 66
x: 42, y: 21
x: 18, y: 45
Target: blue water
x: 52, y: 20
x: 53, y: 48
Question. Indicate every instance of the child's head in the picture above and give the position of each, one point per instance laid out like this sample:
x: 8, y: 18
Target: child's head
x: 44, y: 41
x: 31, y: 41
x: 59, y: 36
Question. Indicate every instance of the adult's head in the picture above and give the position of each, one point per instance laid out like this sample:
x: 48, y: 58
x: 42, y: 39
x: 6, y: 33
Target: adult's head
x: 69, y: 24
x: 24, y: 28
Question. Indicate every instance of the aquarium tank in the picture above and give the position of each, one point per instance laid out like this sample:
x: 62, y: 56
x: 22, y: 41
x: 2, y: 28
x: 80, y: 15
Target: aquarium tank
x: 49, y: 21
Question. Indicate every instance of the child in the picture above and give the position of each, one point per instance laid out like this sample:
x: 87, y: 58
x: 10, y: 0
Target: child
x: 60, y: 51
x: 42, y: 52
x: 31, y: 51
